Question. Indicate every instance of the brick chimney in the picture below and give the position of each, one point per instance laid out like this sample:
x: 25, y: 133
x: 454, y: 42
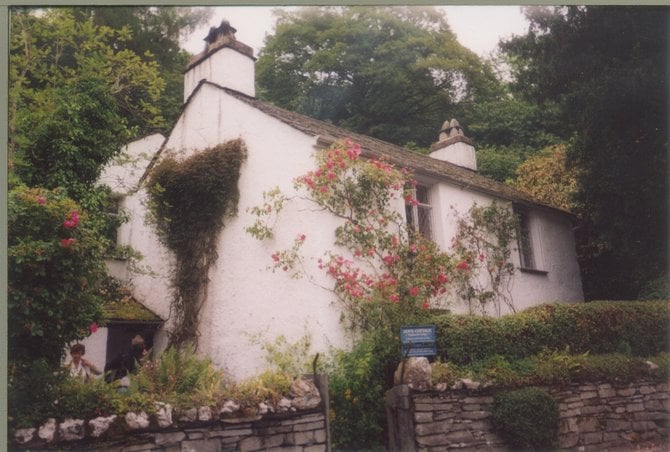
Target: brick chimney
x: 224, y: 61
x: 454, y: 147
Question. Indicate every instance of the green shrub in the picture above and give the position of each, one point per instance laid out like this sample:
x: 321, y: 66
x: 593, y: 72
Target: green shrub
x: 178, y: 375
x: 357, y: 384
x: 596, y: 327
x: 87, y: 400
x: 31, y: 393
x: 526, y: 418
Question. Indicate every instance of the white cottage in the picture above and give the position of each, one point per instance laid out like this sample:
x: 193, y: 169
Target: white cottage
x: 244, y: 298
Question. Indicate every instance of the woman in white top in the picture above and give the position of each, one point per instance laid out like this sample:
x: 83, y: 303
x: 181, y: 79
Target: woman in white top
x: 79, y: 367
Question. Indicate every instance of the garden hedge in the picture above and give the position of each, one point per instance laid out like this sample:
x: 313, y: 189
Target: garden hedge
x: 637, y: 327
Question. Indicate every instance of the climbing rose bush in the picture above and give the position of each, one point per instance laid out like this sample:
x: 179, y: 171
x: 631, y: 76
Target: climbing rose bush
x: 384, y: 274
x: 55, y: 261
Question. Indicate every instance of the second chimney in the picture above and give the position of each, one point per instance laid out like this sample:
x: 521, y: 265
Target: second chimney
x: 454, y: 147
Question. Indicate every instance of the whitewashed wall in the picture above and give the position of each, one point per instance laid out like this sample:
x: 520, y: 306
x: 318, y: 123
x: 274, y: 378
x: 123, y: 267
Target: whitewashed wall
x: 554, y: 249
x: 245, y: 298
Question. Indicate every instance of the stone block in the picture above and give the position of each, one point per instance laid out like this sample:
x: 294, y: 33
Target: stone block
x: 195, y: 434
x: 588, y: 424
x: 423, y: 417
x: 315, y: 448
x: 483, y: 399
x: 205, y: 414
x: 163, y: 414
x: 569, y: 426
x: 653, y: 405
x: 189, y: 415
x: 652, y: 416
x: 443, y: 416
x: 273, y: 441
x: 320, y: 436
x: 592, y: 438
x: 308, y: 426
x: 588, y: 395
x: 647, y: 390
x: 432, y: 440
x: 251, y: 443
x: 462, y: 436
x: 433, y: 428
x: 475, y: 415
x: 595, y: 409
x: 100, y: 425
x: 606, y: 393
x: 633, y: 407
x: 649, y: 435
x: 266, y: 431
x: 613, y: 425
x: 201, y: 446
x: 228, y: 433
x: 47, y: 431
x: 72, y: 429
x: 303, y: 419
x: 584, y: 388
x: 169, y: 438
x: 643, y: 426
x: 143, y: 447
x: 626, y: 392
x: 23, y: 435
x: 472, y: 407
x: 568, y: 413
x: 303, y: 438
x: 611, y: 437
x: 423, y: 407
x: 480, y: 425
x: 568, y: 441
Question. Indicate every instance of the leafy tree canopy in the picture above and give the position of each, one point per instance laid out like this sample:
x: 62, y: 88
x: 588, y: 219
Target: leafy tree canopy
x: 74, y: 98
x: 395, y: 73
x: 545, y: 177
x: 156, y: 34
x: 508, y: 130
x: 605, y: 66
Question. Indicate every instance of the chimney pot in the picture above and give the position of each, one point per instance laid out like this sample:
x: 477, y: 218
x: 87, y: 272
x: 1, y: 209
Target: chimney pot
x: 454, y: 147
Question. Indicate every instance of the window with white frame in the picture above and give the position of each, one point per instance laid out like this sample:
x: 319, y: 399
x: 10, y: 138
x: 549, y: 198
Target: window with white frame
x: 418, y: 213
x: 525, y: 239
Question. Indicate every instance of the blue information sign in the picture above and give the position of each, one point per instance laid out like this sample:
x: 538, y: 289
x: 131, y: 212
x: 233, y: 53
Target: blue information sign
x: 418, y: 340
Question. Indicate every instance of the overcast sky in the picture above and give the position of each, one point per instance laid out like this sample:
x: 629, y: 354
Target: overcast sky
x: 477, y: 27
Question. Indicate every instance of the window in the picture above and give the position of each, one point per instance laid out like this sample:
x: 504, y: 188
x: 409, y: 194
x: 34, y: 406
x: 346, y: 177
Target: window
x: 525, y: 240
x: 419, y: 214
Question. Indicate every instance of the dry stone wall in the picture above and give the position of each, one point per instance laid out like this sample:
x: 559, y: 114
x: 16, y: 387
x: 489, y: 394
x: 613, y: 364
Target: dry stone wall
x: 594, y: 416
x: 298, y: 424
x: 304, y: 431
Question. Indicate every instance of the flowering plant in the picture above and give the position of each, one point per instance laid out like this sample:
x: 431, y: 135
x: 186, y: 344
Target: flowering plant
x: 483, y: 243
x: 55, y: 259
x: 384, y: 273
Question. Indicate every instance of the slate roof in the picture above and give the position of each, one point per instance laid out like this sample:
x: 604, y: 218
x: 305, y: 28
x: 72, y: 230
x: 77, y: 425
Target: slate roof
x: 422, y: 165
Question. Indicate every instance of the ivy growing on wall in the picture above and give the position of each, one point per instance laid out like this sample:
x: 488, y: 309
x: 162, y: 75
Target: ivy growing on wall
x: 189, y: 202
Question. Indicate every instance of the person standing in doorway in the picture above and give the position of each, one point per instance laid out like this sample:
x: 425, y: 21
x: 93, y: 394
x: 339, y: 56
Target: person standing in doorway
x: 79, y: 367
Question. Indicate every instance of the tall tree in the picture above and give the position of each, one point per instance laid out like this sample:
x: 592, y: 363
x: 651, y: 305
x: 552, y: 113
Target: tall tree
x: 508, y: 130
x: 395, y: 73
x: 74, y: 98
x: 606, y: 68
x: 155, y: 36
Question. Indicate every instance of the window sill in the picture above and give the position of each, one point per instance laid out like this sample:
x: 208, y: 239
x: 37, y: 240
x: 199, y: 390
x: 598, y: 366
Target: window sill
x: 533, y: 271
